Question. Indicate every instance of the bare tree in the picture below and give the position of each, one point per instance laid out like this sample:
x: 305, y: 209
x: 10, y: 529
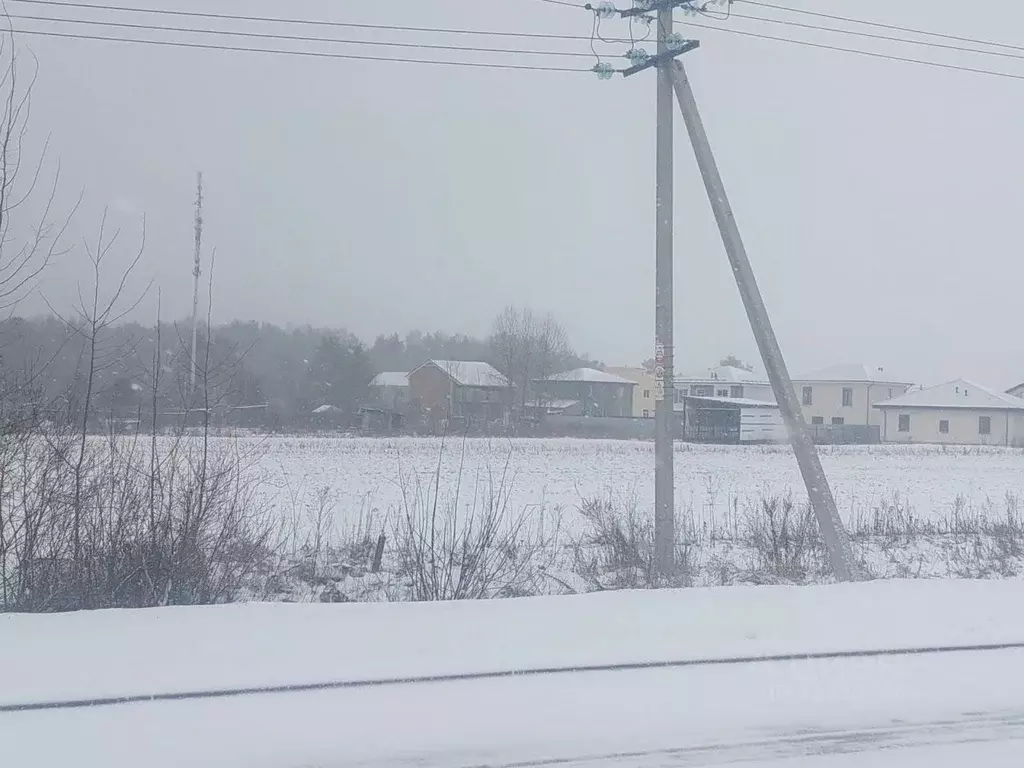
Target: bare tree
x: 551, y: 350
x: 528, y: 349
x: 28, y: 245
x: 26, y: 250
x: 92, y: 319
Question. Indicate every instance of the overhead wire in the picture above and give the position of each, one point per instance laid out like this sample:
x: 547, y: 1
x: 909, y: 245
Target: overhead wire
x: 292, y: 38
x: 878, y: 36
x: 497, y: 33
x: 871, y: 54
x: 881, y: 25
x: 293, y: 52
x: 397, y: 27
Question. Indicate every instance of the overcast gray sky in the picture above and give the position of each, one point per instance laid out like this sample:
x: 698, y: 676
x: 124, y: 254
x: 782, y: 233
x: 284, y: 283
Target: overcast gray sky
x: 881, y: 202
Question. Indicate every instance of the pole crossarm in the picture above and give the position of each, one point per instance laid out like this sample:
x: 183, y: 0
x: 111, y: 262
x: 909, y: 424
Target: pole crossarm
x: 658, y: 59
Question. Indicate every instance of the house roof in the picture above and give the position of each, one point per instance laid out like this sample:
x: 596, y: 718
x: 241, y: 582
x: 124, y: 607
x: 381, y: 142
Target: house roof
x: 390, y: 379
x: 591, y: 376
x: 632, y: 373
x: 959, y: 393
x: 724, y: 373
x: 327, y: 409
x: 469, y: 373
x: 851, y: 373
x: 1014, y: 390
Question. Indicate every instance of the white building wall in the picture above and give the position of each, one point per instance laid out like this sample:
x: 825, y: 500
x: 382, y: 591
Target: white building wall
x: 711, y: 388
x: 827, y: 400
x: 1017, y: 430
x: 963, y: 423
x: 762, y: 425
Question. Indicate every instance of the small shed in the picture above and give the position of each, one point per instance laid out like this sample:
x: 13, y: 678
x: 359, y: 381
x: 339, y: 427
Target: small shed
x: 729, y: 420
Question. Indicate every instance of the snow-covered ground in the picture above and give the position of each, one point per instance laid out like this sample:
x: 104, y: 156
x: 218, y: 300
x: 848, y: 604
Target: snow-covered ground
x: 939, y: 710
x: 364, y: 475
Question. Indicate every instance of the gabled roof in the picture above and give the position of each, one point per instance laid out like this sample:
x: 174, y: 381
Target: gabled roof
x: 591, y: 376
x: 390, y: 379
x: 1016, y: 391
x: 469, y: 373
x: 852, y: 373
x: 724, y: 373
x: 959, y: 393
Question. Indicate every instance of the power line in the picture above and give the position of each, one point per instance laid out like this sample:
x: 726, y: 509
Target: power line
x: 872, y: 54
x: 309, y: 22
x: 877, y: 36
x: 881, y: 25
x: 285, y: 52
x: 496, y: 33
x: 293, y: 38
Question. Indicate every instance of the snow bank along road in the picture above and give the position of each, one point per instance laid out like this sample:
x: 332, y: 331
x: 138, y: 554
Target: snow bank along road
x: 877, y: 711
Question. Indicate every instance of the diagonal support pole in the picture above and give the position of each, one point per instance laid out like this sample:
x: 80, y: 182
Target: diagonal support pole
x: 818, y: 491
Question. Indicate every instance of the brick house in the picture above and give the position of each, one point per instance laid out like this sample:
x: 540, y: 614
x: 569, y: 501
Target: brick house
x: 468, y: 391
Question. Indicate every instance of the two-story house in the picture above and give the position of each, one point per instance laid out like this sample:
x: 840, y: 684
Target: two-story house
x: 846, y: 394
x: 724, y: 381
x: 643, y: 395
x: 467, y: 390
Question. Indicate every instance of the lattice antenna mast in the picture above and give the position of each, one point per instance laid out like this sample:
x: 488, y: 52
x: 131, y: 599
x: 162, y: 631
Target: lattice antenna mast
x: 196, y: 271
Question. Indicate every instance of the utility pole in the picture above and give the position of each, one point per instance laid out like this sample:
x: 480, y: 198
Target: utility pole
x: 818, y: 490
x: 195, y: 275
x: 664, y: 382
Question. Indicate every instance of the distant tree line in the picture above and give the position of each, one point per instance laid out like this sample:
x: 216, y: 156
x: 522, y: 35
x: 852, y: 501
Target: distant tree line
x: 292, y: 371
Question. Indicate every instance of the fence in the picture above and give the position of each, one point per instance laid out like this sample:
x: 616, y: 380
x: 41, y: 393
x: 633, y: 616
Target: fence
x: 845, y: 434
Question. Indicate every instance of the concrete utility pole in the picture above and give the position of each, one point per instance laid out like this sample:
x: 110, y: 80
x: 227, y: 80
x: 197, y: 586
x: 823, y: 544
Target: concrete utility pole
x: 818, y: 490
x: 195, y: 275
x: 664, y: 382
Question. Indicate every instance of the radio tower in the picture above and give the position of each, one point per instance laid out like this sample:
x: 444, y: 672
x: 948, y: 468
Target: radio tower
x: 195, y: 275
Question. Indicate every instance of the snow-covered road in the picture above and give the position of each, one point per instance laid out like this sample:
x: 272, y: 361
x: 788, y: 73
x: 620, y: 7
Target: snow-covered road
x: 821, y: 712
x: 934, y: 710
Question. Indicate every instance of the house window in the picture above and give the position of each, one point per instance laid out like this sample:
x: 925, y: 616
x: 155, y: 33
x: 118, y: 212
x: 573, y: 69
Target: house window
x: 816, y: 420
x: 723, y: 393
x: 984, y: 425
x: 646, y: 413
x: 808, y: 396
x: 838, y: 421
x: 736, y: 391
x: 647, y: 394
x: 944, y: 426
x: 904, y: 425
x: 890, y: 393
x: 847, y: 397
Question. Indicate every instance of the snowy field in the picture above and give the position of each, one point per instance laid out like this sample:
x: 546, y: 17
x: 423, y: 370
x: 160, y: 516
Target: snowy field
x: 940, y: 710
x: 364, y: 475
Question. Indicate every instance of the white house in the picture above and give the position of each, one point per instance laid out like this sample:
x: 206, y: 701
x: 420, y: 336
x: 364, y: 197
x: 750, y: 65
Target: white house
x: 958, y: 412
x: 724, y: 381
x: 845, y: 394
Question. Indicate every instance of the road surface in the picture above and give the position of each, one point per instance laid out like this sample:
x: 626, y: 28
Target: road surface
x: 901, y: 711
